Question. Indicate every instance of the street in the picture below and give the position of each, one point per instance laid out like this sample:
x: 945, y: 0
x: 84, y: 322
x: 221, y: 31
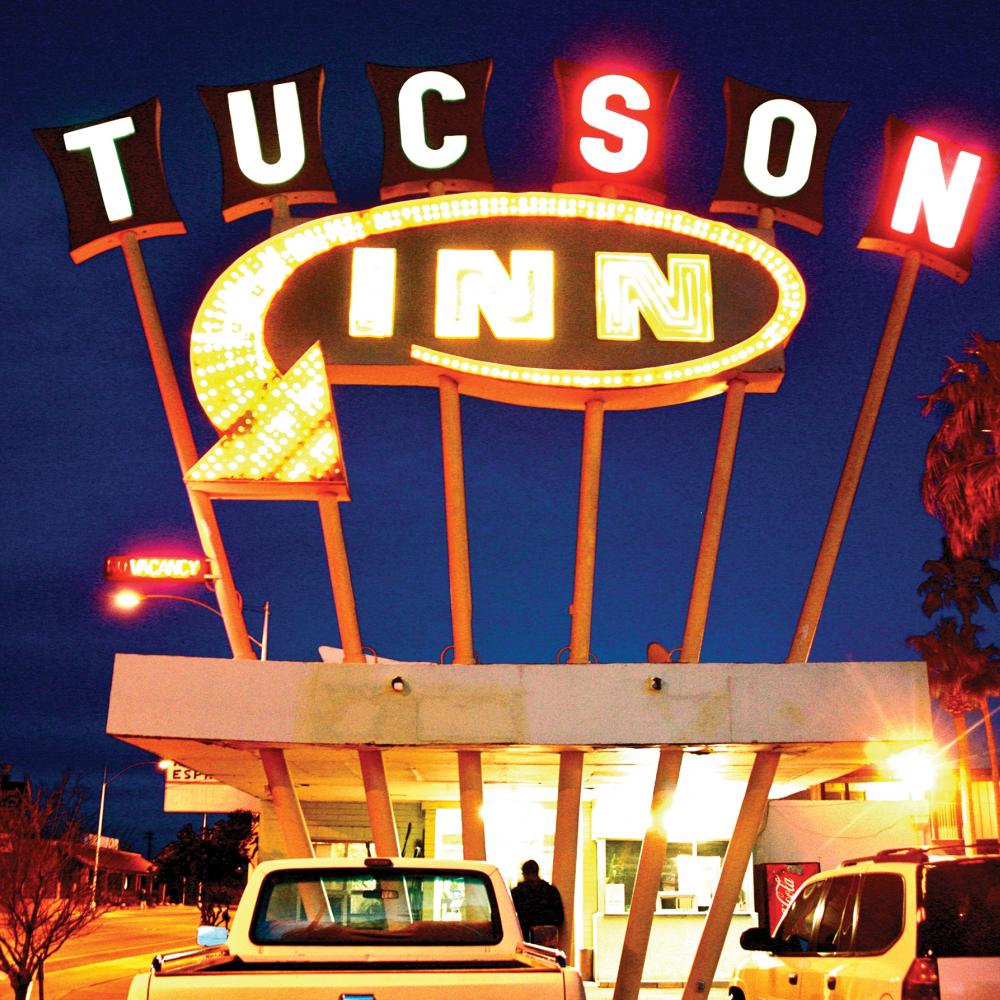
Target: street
x: 99, y: 964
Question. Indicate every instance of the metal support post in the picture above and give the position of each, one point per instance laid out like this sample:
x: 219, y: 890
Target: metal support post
x: 470, y: 765
x: 184, y: 446
x: 287, y: 807
x: 456, y: 522
x: 734, y: 867
x: 100, y: 836
x: 647, y: 877
x: 715, y: 515
x: 567, y: 837
x: 380, y: 814
x: 586, y: 532
x: 340, y: 580
x: 854, y: 463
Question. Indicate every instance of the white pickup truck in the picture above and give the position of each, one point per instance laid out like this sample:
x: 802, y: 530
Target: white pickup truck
x: 367, y: 929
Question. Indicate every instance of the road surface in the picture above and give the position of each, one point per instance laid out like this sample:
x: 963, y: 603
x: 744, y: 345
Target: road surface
x: 100, y: 963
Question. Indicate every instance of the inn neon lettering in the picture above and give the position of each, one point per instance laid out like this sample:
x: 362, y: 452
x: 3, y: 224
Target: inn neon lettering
x: 517, y: 303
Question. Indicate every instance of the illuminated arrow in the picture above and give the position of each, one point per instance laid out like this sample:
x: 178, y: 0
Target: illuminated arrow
x: 288, y: 435
x: 276, y: 429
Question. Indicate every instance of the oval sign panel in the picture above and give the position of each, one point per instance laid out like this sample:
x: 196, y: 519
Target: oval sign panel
x: 542, y: 299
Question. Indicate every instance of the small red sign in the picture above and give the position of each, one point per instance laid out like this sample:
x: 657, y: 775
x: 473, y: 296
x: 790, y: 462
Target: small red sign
x: 155, y: 568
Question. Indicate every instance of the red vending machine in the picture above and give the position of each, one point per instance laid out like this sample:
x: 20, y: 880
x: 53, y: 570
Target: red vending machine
x: 774, y: 886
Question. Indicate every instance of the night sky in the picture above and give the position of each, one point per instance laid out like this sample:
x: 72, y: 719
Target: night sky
x: 90, y: 469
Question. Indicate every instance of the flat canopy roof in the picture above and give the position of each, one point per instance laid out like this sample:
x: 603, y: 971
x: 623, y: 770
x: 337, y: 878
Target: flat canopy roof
x: 214, y: 715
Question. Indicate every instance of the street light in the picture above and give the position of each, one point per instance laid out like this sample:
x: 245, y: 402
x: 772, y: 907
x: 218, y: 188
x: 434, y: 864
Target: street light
x: 129, y: 600
x: 162, y: 765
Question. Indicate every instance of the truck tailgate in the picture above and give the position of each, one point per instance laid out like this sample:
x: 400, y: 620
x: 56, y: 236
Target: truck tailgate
x: 527, y: 982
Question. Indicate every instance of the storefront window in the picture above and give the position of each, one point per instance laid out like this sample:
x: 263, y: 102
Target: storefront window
x: 687, y: 883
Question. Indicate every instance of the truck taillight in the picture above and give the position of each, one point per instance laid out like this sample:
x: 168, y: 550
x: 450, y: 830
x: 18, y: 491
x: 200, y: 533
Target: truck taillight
x: 921, y: 982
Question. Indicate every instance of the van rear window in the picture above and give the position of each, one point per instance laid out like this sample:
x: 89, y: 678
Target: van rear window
x: 962, y: 909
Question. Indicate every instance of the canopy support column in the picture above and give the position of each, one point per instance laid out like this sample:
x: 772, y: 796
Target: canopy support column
x: 647, y: 877
x: 380, y: 814
x: 287, y: 807
x: 567, y: 837
x: 734, y: 867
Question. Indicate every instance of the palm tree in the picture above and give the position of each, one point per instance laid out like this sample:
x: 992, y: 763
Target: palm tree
x: 961, y: 487
x: 961, y: 482
x: 960, y: 671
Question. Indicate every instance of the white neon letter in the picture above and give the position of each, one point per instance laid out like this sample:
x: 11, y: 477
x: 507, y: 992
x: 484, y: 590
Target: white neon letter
x: 676, y: 307
x: 924, y: 185
x: 373, y: 292
x: 517, y: 306
x: 595, y: 112
x: 760, y: 132
x: 246, y: 136
x: 100, y: 140
x: 412, y: 134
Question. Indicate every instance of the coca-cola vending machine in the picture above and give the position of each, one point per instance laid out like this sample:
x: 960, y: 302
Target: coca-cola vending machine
x: 774, y: 886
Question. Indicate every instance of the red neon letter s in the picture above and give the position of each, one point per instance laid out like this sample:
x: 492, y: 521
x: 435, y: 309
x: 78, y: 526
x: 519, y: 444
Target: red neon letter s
x: 633, y: 134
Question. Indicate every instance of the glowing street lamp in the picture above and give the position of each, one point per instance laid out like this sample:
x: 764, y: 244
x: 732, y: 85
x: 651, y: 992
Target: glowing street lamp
x: 129, y: 600
x: 915, y: 770
x: 162, y: 765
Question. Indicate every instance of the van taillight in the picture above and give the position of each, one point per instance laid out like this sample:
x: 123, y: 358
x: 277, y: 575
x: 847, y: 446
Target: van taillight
x: 921, y: 982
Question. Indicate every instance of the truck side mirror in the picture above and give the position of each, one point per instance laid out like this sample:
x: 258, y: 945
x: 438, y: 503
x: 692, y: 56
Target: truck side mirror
x: 210, y: 936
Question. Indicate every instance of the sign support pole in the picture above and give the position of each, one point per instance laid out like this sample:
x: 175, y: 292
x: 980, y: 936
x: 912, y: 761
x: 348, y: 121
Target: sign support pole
x: 187, y: 454
x: 812, y: 607
x: 647, y: 877
x: 340, y: 580
x: 470, y: 762
x: 715, y: 514
x: 586, y: 532
x: 329, y: 512
x: 734, y: 866
x: 459, y: 573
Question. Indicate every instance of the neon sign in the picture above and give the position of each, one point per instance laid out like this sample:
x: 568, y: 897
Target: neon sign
x: 932, y: 194
x: 687, y: 299
x: 155, y: 568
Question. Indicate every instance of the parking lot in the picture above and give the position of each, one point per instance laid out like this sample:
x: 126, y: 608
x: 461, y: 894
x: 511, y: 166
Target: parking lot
x: 99, y: 964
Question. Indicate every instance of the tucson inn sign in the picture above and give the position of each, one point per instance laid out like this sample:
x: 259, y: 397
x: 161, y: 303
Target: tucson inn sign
x: 594, y: 295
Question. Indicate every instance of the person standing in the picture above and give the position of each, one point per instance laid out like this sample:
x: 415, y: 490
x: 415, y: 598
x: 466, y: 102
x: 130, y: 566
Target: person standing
x: 539, y: 907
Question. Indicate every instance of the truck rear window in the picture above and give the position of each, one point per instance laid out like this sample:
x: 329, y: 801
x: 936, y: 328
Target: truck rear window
x: 961, y: 909
x: 390, y: 906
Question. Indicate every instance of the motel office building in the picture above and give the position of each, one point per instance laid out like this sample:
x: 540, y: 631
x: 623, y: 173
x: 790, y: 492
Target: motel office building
x: 519, y: 722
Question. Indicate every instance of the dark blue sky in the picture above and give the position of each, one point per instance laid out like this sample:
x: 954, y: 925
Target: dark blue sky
x: 90, y: 466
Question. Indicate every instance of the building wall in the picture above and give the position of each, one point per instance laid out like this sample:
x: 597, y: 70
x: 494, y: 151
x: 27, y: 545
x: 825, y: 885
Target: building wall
x: 831, y: 832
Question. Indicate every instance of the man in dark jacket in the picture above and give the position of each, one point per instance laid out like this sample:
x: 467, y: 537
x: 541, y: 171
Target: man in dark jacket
x: 539, y: 907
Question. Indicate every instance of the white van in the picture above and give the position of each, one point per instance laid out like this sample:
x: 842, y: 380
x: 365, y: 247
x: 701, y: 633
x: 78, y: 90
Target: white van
x: 901, y: 925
